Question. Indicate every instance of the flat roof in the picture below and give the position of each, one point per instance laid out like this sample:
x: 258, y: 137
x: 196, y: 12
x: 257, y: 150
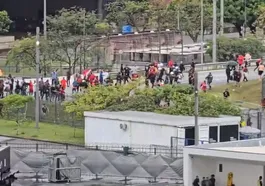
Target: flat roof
x: 256, y: 150
x: 163, y: 119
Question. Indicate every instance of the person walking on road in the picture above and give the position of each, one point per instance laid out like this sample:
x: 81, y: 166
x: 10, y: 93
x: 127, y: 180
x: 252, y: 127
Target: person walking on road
x: 228, y: 74
x: 209, y: 80
x: 258, y: 62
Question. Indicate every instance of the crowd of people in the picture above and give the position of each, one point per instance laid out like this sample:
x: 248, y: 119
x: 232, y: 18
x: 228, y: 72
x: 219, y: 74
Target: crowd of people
x: 158, y: 74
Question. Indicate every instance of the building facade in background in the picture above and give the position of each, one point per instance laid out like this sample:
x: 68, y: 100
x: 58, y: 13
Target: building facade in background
x: 27, y: 14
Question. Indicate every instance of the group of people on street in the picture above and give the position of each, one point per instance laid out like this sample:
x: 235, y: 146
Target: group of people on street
x: 159, y: 74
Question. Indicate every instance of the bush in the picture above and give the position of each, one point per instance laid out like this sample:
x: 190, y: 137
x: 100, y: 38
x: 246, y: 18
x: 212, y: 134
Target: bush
x: 174, y: 100
x: 227, y: 47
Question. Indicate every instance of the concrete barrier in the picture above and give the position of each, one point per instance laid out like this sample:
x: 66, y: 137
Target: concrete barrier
x: 7, y: 39
x: 215, y: 66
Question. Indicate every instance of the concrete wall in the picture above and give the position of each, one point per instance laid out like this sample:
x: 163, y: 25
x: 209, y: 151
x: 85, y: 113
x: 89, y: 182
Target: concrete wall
x: 109, y: 131
x: 245, y: 173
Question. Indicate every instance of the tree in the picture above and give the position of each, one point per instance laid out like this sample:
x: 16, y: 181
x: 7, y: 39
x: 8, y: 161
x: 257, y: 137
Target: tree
x: 190, y: 15
x: 134, y: 13
x: 23, y: 54
x: 261, y: 18
x: 4, y: 22
x: 72, y: 33
x: 159, y: 18
x: 227, y: 47
x: 235, y: 10
x: 17, y: 104
x: 98, y: 98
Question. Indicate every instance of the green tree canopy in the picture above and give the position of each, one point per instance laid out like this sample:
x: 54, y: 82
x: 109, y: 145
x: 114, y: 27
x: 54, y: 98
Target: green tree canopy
x: 72, y: 34
x: 234, y: 13
x: 134, y: 13
x: 190, y: 16
x: 4, y: 22
x: 174, y: 100
x: 23, y: 53
x: 227, y: 47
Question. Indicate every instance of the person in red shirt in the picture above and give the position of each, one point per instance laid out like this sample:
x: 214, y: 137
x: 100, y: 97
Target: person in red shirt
x: 92, y: 79
x: 30, y: 88
x: 240, y: 60
x: 204, y: 86
x: 170, y: 63
x: 63, y: 83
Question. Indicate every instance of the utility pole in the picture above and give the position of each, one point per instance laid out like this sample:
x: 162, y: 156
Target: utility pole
x: 202, y: 32
x: 222, y: 17
x: 37, y: 116
x: 45, y: 18
x: 196, y: 108
x: 214, y: 31
x: 245, y: 18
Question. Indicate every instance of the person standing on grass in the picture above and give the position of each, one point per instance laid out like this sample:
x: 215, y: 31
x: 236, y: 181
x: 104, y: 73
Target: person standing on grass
x: 245, y: 73
x: 261, y: 70
x: 226, y: 94
x: 204, y: 86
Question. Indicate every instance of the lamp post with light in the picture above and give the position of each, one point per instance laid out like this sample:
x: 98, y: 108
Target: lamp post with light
x: 37, y: 114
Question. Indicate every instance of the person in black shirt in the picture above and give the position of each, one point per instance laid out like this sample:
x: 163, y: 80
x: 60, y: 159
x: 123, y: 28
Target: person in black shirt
x: 181, y: 67
x: 126, y: 77
x: 226, y: 93
x: 118, y: 78
x: 196, y: 182
x: 228, y: 74
x: 212, y: 180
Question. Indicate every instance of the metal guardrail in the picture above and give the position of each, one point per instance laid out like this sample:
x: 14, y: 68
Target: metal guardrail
x: 215, y: 66
x: 199, y: 67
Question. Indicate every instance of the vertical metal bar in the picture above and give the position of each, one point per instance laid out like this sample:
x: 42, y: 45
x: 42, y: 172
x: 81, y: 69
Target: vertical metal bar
x: 182, y: 46
x: 159, y: 44
x: 202, y: 32
x: 45, y: 18
x: 245, y: 18
x: 222, y: 17
x: 214, y: 31
x: 178, y: 20
x: 37, y: 116
x: 196, y: 113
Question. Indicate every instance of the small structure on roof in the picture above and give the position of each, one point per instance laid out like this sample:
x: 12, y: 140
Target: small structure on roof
x: 145, y: 128
x: 245, y: 159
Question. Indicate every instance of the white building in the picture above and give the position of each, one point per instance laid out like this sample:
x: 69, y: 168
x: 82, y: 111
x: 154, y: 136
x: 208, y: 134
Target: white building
x: 142, y: 128
x: 245, y: 159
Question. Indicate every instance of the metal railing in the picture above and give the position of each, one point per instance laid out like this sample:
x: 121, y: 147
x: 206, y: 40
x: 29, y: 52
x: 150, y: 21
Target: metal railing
x: 47, y: 146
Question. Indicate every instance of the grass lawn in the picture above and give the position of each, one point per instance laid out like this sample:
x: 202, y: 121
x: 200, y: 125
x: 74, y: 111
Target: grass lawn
x: 248, y: 95
x: 49, y: 132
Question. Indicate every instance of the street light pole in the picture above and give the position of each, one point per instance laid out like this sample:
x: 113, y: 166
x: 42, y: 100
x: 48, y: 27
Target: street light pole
x: 37, y: 114
x: 45, y: 18
x: 222, y: 17
x: 214, y: 31
x: 202, y: 32
x: 196, y: 108
x: 245, y: 18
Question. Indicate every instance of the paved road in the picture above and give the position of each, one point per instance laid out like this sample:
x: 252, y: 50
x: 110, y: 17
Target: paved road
x: 219, y: 76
